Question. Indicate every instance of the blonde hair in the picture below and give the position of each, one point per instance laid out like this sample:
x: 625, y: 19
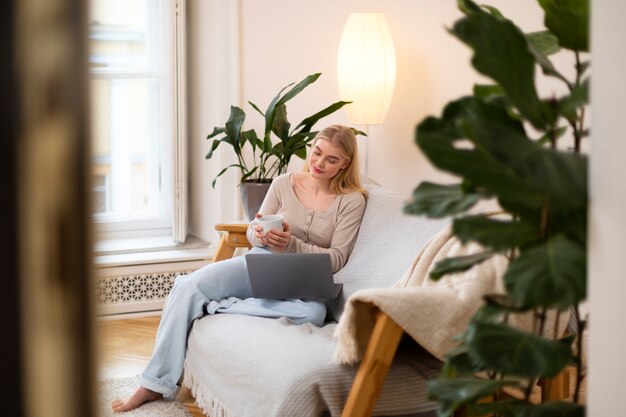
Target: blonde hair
x: 348, y: 179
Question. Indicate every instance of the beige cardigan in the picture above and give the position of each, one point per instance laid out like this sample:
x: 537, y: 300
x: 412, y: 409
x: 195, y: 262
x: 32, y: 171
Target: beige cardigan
x: 331, y: 231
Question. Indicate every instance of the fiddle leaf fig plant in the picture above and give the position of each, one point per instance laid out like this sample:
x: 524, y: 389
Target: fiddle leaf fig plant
x: 540, y: 182
x: 272, y: 148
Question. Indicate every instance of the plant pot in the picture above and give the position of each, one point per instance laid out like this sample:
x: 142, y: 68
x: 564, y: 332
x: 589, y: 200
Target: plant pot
x: 252, y: 195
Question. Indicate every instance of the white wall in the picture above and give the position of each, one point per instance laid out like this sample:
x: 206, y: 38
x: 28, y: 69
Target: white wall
x: 607, y: 220
x: 282, y: 41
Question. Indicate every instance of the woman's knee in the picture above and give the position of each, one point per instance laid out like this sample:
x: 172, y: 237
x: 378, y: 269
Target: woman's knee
x: 315, y: 313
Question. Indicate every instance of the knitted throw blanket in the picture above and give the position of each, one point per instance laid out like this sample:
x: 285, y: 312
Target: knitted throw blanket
x: 431, y: 312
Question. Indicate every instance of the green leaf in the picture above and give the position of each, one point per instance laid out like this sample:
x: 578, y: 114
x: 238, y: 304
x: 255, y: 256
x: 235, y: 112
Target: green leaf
x: 233, y: 126
x: 270, y: 113
x: 544, y: 42
x: 250, y: 136
x: 308, y: 123
x: 517, y: 353
x: 255, y: 107
x: 249, y: 174
x: 537, y: 44
x: 224, y: 170
x: 503, y: 161
x: 358, y: 132
x: 459, y: 362
x: 579, y: 97
x: 281, y: 125
x: 214, y: 146
x: 558, y: 133
x: 299, y: 87
x: 453, y: 393
x: 458, y: 264
x: 494, y: 12
x: 549, y: 275
x: 216, y: 131
x: 488, y: 91
x: 569, y: 21
x: 494, y: 234
x: 501, y: 52
x: 484, y: 165
x: 437, y: 201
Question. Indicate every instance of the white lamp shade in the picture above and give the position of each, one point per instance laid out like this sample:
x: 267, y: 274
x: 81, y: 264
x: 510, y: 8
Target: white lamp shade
x: 366, y: 67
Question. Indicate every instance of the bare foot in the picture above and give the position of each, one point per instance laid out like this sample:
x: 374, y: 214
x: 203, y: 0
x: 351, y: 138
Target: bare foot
x: 140, y: 396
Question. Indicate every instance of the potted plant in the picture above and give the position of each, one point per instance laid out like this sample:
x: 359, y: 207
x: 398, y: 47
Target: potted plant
x: 540, y: 181
x: 268, y: 157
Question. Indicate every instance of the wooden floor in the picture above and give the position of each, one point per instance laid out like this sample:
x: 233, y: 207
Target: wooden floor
x: 124, y: 347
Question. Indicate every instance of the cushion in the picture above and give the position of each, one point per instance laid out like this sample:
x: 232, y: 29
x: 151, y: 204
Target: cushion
x: 387, y: 242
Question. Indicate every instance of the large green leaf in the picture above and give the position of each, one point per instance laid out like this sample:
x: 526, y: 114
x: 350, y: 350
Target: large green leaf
x: 494, y: 234
x: 503, y: 160
x: 549, y: 275
x: 307, y: 124
x: 232, y: 128
x: 281, y: 125
x: 513, y: 352
x: 559, y: 176
x: 569, y: 21
x: 270, y: 113
x: 501, y: 52
x: 437, y: 200
x: 299, y: 87
x: 458, y: 264
x: 437, y: 138
x: 453, y: 393
x: 541, y: 44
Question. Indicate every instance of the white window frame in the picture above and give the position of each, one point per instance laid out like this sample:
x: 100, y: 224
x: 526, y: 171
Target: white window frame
x: 173, y: 176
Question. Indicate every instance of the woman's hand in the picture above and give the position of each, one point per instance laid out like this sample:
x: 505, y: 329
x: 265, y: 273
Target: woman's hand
x: 259, y: 234
x: 277, y: 240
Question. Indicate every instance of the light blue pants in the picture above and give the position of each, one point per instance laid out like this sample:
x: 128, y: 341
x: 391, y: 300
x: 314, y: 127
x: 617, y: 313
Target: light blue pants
x: 221, y: 287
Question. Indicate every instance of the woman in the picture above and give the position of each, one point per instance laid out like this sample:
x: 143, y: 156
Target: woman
x: 323, y: 204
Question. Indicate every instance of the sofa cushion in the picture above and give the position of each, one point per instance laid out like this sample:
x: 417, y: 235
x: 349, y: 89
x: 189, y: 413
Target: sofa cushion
x: 387, y: 242
x: 242, y: 366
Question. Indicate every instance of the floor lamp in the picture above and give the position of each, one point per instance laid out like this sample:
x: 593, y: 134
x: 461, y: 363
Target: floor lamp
x: 366, y: 70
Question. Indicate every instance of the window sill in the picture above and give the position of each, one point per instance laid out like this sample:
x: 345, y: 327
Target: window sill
x: 151, y: 250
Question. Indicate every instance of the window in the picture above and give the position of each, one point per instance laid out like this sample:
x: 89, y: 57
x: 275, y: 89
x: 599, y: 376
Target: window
x: 138, y: 137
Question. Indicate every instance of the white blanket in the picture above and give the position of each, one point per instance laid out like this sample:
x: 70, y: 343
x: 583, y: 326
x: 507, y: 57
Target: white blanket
x: 431, y: 312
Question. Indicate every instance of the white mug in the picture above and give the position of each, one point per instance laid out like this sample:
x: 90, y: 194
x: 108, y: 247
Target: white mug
x: 270, y: 222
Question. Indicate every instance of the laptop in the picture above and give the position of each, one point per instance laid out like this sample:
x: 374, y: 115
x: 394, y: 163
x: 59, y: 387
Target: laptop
x: 292, y: 275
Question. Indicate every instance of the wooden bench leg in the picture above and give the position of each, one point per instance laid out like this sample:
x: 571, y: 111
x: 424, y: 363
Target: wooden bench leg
x: 374, y: 368
x: 557, y: 388
x: 233, y: 236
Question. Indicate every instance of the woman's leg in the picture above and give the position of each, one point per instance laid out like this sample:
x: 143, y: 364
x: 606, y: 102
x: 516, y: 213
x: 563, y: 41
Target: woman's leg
x: 185, y: 303
x: 297, y: 311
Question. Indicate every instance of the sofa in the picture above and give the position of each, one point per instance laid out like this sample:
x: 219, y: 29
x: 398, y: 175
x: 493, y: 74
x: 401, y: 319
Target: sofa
x: 241, y: 366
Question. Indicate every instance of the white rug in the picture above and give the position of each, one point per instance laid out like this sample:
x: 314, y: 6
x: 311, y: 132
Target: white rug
x: 114, y: 388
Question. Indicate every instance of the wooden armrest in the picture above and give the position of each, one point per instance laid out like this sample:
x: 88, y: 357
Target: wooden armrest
x: 373, y: 370
x: 232, y: 227
x: 233, y: 236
